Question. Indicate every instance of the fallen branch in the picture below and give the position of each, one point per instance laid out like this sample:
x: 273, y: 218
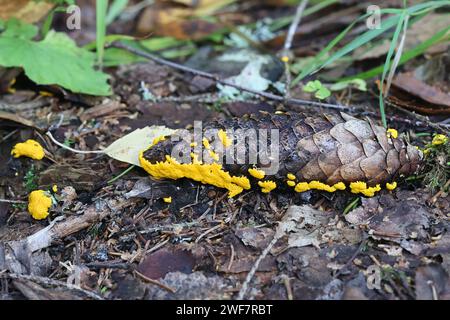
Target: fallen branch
x: 52, y: 282
x: 217, y: 79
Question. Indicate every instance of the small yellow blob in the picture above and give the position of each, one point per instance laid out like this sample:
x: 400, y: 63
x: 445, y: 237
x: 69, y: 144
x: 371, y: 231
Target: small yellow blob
x: 279, y: 112
x: 29, y: 148
x: 258, y: 174
x: 339, y: 186
x: 439, y: 139
x: 361, y: 187
x: 206, y: 143
x: 193, y: 144
x: 321, y: 186
x: 168, y: 200
x: 158, y: 139
x: 290, y: 176
x: 38, y: 204
x: 290, y: 183
x: 55, y: 188
x: 285, y: 59
x: 391, y: 186
x: 45, y: 94
x: 267, y: 186
x: 224, y: 138
x: 214, y: 155
x: 10, y: 89
x: 392, y: 133
x: 301, y: 187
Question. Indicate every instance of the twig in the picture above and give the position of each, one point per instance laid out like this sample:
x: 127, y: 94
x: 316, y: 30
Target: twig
x: 12, y: 201
x: 157, y: 283
x: 295, y: 22
x: 69, y: 148
x: 52, y: 282
x: 252, y: 272
x: 421, y: 118
x: 267, y: 95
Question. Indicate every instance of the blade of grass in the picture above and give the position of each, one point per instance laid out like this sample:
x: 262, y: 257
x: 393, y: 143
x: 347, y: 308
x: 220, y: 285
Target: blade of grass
x: 115, y: 9
x: 387, y: 64
x: 318, y: 61
x: 397, y: 57
x: 438, y: 37
x: 101, y: 8
x: 49, y: 19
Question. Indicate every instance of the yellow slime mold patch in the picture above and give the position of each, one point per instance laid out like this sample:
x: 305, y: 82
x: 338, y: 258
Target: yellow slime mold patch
x: 205, y: 173
x: 256, y: 173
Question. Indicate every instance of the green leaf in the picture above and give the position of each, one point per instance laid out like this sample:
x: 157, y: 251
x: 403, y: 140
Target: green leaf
x: 322, y: 93
x: 312, y: 86
x: 359, y: 84
x: 115, y: 9
x: 54, y: 60
x: 17, y: 28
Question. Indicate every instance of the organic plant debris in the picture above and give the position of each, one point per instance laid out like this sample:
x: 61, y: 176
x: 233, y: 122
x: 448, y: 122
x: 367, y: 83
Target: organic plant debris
x: 224, y: 150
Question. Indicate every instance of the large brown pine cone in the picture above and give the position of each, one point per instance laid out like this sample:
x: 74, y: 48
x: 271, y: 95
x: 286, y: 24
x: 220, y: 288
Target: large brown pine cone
x: 329, y: 148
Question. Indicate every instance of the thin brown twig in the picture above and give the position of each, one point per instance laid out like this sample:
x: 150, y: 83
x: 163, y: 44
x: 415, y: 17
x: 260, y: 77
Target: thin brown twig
x: 52, y: 282
x: 217, y: 79
x: 157, y: 283
x: 294, y: 25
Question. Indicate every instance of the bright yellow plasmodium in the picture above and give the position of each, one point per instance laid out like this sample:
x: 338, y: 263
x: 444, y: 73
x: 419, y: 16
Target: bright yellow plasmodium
x: 257, y: 173
x: 316, y: 185
x: 158, y: 139
x: 206, y: 143
x: 391, y: 186
x: 291, y: 176
x: 290, y: 183
x: 167, y: 200
x: 439, y: 139
x: 38, y: 204
x: 267, y: 186
x: 392, y: 133
x: 226, y: 141
x: 55, y: 188
x: 29, y: 148
x: 205, y: 173
x: 361, y: 187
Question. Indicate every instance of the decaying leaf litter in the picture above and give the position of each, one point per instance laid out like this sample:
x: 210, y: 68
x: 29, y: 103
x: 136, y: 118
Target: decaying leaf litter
x: 115, y: 233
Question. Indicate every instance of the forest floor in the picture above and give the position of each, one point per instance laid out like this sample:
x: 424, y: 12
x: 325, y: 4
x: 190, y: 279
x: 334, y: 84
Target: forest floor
x: 114, y: 237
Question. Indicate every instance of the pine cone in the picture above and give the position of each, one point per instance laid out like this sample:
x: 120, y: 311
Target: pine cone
x: 329, y: 149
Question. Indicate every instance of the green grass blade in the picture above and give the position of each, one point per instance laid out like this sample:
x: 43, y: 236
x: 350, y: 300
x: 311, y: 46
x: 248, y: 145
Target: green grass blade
x: 387, y: 64
x: 318, y: 62
x: 408, y: 55
x: 115, y: 9
x: 101, y: 8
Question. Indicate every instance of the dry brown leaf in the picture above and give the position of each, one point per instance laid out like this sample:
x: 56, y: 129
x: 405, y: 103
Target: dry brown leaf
x: 26, y: 10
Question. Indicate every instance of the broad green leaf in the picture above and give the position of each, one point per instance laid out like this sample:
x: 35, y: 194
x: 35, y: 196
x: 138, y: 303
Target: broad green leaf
x: 19, y: 29
x: 54, y: 60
